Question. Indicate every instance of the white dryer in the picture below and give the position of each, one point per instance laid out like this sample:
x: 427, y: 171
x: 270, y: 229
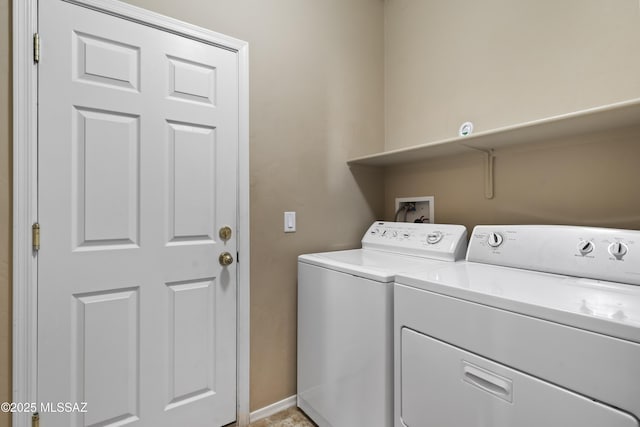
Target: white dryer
x: 345, y: 319
x: 540, y: 327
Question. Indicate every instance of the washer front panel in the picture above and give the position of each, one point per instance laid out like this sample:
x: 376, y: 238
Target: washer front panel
x: 345, y: 348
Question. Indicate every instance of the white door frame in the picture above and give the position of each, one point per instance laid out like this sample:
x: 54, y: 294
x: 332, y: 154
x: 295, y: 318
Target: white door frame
x: 25, y: 190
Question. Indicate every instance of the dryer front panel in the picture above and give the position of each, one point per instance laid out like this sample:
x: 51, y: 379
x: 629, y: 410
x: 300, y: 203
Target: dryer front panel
x: 443, y: 385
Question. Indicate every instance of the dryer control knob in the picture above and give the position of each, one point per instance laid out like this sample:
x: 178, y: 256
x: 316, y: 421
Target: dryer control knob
x: 585, y: 247
x: 618, y: 249
x: 495, y: 239
x: 433, y: 238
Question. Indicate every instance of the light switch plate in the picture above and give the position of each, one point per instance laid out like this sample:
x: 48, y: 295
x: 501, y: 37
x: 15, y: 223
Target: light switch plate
x: 289, y: 222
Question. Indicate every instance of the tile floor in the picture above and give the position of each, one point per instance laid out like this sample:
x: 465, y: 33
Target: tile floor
x: 292, y: 417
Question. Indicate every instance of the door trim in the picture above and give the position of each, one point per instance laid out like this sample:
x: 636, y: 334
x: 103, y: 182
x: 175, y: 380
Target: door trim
x: 25, y: 190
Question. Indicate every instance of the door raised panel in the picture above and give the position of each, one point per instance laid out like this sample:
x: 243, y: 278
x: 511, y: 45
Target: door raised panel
x: 103, y: 61
x: 105, y: 356
x: 106, y: 179
x: 191, y: 341
x: 192, y: 81
x: 191, y: 182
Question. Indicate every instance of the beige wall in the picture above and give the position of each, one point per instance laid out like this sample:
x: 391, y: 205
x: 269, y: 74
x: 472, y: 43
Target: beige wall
x: 316, y: 72
x: 498, y: 63
x: 5, y: 208
x: 501, y: 62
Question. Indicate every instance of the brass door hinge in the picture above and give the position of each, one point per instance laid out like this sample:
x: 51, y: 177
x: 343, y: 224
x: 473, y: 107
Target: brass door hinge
x: 35, y: 420
x: 35, y: 236
x: 36, y: 48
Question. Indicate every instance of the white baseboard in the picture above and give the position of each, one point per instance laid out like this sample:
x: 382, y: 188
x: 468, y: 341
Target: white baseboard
x: 274, y: 408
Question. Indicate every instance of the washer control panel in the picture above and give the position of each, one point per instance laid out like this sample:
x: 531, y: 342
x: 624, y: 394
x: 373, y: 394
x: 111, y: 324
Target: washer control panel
x: 436, y: 241
x: 434, y: 237
x: 589, y: 252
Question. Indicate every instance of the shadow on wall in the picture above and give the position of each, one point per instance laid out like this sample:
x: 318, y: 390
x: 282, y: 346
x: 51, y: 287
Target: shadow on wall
x: 370, y: 182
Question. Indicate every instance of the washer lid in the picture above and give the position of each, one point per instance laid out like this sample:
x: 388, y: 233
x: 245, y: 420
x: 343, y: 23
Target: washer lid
x: 371, y: 264
x: 604, y: 307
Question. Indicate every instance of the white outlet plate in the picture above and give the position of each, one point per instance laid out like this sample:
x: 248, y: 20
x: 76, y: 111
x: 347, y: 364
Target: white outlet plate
x: 424, y: 207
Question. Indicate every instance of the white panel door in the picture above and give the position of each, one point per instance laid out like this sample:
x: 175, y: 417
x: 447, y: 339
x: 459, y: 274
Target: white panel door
x: 138, y: 137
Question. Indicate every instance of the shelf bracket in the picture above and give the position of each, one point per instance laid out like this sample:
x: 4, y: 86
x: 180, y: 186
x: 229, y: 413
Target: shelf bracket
x: 488, y: 173
x: 488, y: 170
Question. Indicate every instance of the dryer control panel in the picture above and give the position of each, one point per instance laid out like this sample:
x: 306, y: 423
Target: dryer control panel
x: 588, y: 252
x: 446, y: 242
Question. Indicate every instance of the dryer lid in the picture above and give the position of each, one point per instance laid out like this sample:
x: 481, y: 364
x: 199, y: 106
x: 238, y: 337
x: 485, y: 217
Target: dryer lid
x: 599, y: 306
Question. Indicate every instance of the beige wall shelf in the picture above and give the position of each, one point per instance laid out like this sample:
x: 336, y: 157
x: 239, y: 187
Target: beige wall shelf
x: 608, y: 117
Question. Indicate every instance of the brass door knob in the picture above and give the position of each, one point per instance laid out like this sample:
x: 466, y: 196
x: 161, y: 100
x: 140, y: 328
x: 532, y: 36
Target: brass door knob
x: 225, y: 259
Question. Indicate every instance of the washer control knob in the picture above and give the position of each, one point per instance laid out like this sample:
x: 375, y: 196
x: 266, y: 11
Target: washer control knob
x: 618, y: 249
x: 585, y: 247
x: 435, y: 237
x: 495, y: 239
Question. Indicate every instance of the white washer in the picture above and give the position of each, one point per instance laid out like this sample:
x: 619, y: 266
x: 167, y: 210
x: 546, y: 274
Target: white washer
x: 345, y: 319
x: 540, y: 327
